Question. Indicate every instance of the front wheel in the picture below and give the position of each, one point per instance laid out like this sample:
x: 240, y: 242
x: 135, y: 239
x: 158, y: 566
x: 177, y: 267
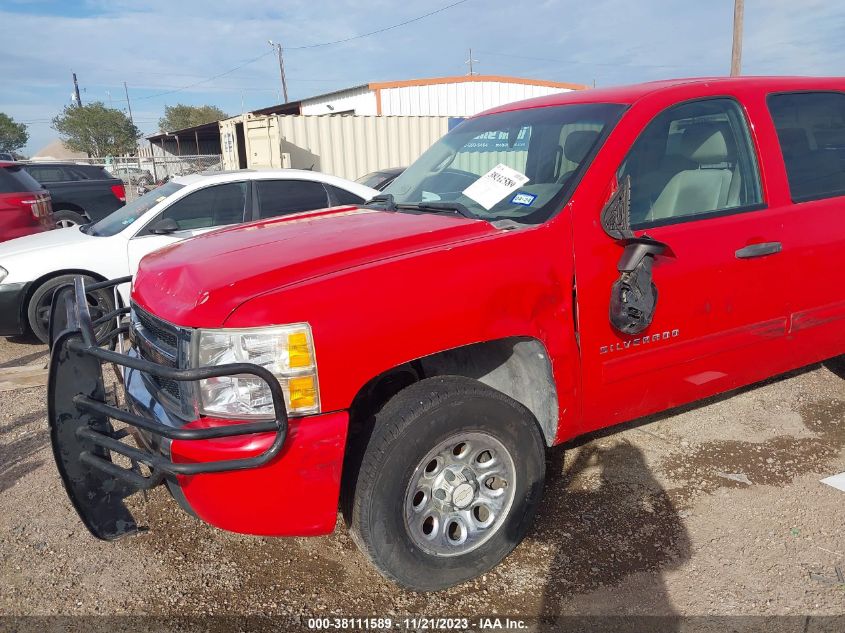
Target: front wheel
x: 449, y: 482
x: 100, y: 303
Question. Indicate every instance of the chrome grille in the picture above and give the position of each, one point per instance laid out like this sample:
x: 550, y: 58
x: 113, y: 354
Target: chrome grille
x: 170, y: 386
x: 157, y: 341
x: 158, y: 332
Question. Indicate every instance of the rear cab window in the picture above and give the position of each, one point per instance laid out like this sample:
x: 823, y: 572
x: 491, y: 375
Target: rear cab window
x: 48, y: 173
x: 811, y: 132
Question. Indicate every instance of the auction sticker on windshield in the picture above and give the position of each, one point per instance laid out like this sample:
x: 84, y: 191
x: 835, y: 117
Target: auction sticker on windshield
x: 492, y: 187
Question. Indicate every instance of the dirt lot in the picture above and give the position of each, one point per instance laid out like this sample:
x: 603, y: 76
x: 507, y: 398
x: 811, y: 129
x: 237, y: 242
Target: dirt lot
x: 716, y: 509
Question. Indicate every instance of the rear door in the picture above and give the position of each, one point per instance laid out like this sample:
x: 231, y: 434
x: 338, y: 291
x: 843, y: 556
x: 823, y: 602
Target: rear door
x: 198, y: 212
x: 720, y: 318
x: 810, y: 128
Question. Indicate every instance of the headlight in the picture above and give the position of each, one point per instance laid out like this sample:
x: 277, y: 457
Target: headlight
x: 286, y: 350
x: 3, y: 273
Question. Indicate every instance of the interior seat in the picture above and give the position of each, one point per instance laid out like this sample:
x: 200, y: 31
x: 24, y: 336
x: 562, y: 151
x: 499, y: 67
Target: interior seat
x: 712, y: 184
x: 575, y: 149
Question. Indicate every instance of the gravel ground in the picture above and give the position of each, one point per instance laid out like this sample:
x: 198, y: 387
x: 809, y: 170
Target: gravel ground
x: 716, y: 509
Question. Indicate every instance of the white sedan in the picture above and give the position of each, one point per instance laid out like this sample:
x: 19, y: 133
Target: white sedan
x: 32, y: 267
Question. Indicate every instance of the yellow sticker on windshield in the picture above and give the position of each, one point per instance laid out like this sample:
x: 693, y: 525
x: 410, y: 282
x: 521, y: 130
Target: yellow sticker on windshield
x: 160, y: 198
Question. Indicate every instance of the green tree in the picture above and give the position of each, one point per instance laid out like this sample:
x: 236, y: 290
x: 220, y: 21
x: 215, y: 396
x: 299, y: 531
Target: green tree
x: 97, y: 130
x: 180, y: 116
x: 13, y: 135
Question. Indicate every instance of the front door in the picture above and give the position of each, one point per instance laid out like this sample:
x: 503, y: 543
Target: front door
x: 198, y: 212
x: 720, y: 316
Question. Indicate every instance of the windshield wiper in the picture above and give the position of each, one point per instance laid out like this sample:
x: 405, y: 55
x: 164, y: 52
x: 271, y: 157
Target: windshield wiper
x: 440, y: 207
x: 384, y: 200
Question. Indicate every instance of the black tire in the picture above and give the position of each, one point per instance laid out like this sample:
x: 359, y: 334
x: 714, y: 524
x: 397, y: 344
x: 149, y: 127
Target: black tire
x: 418, y: 420
x: 65, y: 218
x: 100, y: 302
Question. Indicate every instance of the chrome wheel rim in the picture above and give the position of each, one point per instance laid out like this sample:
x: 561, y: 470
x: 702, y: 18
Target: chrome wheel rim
x: 459, y: 494
x: 65, y: 224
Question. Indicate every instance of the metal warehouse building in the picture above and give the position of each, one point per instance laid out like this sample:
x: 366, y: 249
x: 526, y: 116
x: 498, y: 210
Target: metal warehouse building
x: 351, y: 132
x: 442, y: 96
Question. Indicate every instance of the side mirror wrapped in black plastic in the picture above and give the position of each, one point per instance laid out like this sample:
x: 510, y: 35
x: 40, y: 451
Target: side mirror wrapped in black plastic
x: 633, y: 297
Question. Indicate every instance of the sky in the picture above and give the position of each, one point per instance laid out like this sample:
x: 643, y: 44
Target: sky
x: 181, y: 51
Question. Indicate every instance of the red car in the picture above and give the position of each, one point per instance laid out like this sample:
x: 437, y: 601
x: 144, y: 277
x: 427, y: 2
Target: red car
x: 546, y: 269
x: 25, y: 206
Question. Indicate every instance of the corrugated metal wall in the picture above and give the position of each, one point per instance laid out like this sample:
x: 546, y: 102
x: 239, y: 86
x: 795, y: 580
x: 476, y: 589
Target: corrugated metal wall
x: 352, y: 146
x: 483, y: 161
x: 228, y: 143
x: 359, y: 100
x: 345, y: 146
x: 456, y: 99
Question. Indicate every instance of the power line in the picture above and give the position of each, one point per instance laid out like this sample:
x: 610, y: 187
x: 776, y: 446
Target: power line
x: 309, y: 46
x: 202, y: 81
x: 376, y: 32
x: 577, y: 63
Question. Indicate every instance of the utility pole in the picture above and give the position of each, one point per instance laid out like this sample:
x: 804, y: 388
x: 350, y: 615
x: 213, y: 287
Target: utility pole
x: 132, y: 121
x: 470, y: 62
x: 278, y: 48
x: 736, y: 52
x: 128, y: 105
x: 76, y: 96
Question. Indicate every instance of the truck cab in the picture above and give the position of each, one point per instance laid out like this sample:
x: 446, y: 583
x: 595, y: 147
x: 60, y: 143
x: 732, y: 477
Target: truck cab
x: 546, y: 269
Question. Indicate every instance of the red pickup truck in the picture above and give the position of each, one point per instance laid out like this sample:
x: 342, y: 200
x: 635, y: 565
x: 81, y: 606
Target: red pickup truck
x: 546, y: 269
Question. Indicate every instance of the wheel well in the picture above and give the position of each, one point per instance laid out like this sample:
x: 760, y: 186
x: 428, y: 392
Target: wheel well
x: 51, y: 275
x: 69, y: 206
x: 519, y: 367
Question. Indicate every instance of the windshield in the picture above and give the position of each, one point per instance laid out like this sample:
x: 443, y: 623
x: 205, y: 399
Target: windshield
x: 126, y: 215
x: 509, y: 166
x: 371, y: 179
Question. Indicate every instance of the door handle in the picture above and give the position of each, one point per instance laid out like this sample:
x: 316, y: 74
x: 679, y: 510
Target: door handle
x: 759, y: 250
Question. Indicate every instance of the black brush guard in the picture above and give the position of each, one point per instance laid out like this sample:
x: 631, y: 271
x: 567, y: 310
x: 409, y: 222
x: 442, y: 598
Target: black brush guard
x: 79, y: 415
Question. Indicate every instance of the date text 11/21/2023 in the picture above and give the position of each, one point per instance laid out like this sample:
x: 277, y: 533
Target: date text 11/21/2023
x: 416, y: 623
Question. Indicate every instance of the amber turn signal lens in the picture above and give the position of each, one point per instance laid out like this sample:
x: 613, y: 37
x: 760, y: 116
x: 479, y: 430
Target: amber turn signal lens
x: 303, y: 392
x: 299, y: 350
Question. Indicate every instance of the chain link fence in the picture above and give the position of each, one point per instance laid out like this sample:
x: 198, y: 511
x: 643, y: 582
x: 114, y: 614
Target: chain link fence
x: 142, y: 173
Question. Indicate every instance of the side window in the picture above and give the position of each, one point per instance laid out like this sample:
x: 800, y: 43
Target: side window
x: 342, y: 196
x: 811, y: 131
x: 217, y: 205
x: 280, y: 197
x: 692, y: 159
x: 48, y: 174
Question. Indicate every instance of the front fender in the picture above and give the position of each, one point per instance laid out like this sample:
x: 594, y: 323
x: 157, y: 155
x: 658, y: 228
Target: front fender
x: 369, y: 319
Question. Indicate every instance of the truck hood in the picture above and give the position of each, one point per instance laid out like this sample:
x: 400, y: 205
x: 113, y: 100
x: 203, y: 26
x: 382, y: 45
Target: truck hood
x: 199, y: 282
